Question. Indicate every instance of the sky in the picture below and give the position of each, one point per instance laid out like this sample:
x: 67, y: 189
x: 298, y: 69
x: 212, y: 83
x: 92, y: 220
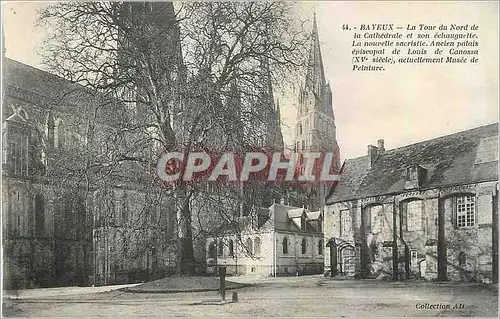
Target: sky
x: 403, y: 105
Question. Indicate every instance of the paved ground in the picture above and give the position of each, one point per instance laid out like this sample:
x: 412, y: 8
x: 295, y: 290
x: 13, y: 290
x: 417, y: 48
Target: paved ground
x: 308, y: 296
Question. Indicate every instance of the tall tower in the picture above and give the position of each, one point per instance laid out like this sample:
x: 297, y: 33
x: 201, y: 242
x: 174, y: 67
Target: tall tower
x: 315, y: 129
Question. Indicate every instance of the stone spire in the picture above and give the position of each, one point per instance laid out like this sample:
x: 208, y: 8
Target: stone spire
x: 315, y: 75
x: 274, y: 137
x: 279, y: 136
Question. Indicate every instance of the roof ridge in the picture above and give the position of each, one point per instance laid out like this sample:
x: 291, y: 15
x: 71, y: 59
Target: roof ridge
x: 431, y: 139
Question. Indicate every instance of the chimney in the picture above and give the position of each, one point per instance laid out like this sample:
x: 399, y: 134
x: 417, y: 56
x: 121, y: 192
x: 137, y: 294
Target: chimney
x: 380, y: 143
x: 372, y: 154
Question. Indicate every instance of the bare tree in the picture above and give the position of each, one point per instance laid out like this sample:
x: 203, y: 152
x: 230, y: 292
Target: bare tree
x: 175, y: 70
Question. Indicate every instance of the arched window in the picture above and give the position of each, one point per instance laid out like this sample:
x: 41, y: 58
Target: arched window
x: 299, y: 129
x: 211, y: 250
x: 285, y: 245
x: 231, y: 247
x: 249, y: 245
x: 39, y: 216
x: 320, y: 247
x: 60, y: 134
x: 462, y: 258
x: 50, y: 130
x: 220, y: 250
x: 257, y: 246
x: 304, y: 246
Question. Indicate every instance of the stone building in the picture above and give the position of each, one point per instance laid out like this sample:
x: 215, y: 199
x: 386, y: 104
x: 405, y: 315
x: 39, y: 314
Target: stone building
x: 315, y: 129
x: 274, y: 241
x: 425, y: 210
x: 58, y: 230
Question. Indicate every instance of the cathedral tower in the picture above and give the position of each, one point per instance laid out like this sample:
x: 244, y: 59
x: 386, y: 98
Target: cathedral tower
x: 315, y: 129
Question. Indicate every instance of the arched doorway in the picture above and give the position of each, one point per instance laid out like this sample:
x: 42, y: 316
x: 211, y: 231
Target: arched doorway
x: 348, y: 259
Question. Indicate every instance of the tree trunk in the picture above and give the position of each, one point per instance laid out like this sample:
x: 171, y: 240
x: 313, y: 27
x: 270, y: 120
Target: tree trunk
x: 185, y: 252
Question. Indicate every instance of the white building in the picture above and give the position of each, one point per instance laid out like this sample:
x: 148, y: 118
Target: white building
x: 279, y: 240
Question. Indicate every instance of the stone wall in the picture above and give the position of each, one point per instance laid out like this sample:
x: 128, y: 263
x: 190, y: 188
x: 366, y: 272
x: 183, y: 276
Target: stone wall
x: 419, y: 252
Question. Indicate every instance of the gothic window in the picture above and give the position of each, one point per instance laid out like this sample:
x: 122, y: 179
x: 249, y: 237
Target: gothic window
x: 304, y: 246
x: 465, y: 211
x: 249, y: 245
x: 211, y: 250
x: 257, y: 246
x: 285, y: 245
x: 220, y: 250
x: 50, y: 130
x: 345, y: 222
x: 231, y: 247
x: 60, y: 134
x: 320, y: 247
x: 412, y: 215
x: 303, y: 144
x: 16, y: 143
x: 39, y: 216
x: 299, y: 129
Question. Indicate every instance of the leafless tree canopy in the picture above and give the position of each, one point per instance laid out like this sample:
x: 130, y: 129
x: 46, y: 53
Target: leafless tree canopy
x: 163, y: 75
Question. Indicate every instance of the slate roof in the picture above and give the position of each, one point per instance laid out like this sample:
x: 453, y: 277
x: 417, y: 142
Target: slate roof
x: 22, y: 79
x: 449, y: 160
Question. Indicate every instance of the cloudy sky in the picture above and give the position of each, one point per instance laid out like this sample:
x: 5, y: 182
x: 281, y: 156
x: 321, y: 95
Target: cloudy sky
x: 403, y: 105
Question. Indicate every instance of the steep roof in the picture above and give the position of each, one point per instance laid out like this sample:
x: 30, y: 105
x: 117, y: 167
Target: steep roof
x: 61, y: 93
x: 466, y: 157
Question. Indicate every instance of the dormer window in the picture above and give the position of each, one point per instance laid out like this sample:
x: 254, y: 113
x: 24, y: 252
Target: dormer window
x: 415, y: 176
x: 303, y: 223
x: 412, y: 173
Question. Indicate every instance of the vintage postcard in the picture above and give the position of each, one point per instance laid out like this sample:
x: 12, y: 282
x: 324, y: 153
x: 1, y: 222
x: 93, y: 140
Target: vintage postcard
x: 246, y: 159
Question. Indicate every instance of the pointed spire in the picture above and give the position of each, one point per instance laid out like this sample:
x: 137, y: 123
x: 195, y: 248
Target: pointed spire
x: 315, y: 77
